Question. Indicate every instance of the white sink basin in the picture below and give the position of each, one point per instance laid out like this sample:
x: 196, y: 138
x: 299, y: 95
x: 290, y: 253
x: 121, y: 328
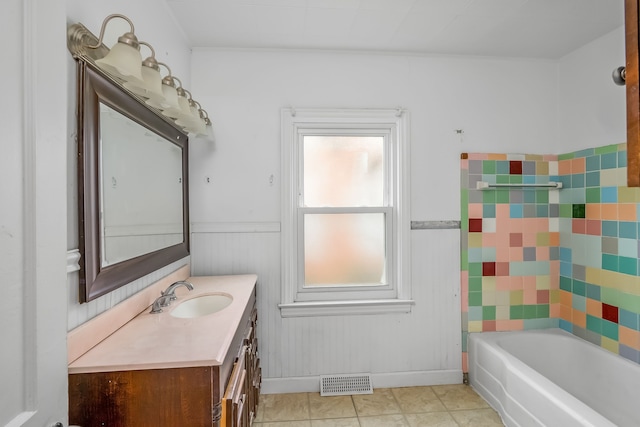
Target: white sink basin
x: 202, y: 305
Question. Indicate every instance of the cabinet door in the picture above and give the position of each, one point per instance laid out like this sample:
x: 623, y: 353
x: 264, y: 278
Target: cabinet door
x: 155, y: 397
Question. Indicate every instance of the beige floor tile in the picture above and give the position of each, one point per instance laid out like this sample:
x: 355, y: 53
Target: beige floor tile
x: 431, y: 419
x: 381, y: 402
x: 436, y: 406
x: 261, y: 404
x: 417, y: 399
x: 322, y: 407
x: 258, y: 418
x: 477, y: 418
x: 459, y: 396
x: 396, y: 420
x: 336, y: 422
x: 305, y: 423
x: 285, y: 407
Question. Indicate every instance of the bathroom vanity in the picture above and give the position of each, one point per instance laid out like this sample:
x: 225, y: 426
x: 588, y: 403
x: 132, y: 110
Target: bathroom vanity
x: 200, y: 369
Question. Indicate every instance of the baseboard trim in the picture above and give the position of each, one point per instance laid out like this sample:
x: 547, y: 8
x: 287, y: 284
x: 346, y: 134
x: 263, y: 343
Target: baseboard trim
x: 393, y: 379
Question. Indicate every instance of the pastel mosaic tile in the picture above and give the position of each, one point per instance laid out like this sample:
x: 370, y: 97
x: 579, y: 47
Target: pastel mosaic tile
x: 540, y: 258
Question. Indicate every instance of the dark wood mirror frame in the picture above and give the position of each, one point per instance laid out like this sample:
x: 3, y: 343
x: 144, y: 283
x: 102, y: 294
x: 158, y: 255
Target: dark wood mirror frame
x: 95, y: 88
x: 633, y: 100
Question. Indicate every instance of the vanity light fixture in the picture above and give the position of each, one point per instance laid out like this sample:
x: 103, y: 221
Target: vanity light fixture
x: 150, y: 86
x: 177, y: 109
x: 200, y: 125
x: 208, y: 134
x: 169, y: 94
x: 124, y: 66
x: 205, y: 117
x: 190, y: 118
x: 124, y: 59
x: 183, y: 101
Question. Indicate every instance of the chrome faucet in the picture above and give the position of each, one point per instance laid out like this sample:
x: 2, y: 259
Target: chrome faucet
x: 161, y: 301
x: 171, y: 290
x: 169, y: 294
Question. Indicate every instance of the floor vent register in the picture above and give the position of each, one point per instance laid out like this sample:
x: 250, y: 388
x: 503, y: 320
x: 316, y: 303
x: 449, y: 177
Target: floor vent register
x: 338, y: 385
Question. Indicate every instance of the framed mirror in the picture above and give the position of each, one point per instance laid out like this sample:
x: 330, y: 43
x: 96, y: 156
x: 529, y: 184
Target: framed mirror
x: 132, y: 186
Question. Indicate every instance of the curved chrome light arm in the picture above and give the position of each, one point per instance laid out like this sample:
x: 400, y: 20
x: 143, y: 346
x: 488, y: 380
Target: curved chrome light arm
x: 205, y: 117
x: 165, y: 66
x: 180, y: 89
x: 151, y: 61
x: 153, y: 52
x: 203, y: 113
x: 127, y: 38
x: 168, y: 79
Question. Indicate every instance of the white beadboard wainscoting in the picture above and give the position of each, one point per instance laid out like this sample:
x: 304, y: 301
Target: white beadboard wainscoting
x: 422, y: 347
x: 77, y: 313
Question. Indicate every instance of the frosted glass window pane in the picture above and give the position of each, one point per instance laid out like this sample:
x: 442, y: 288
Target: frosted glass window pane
x: 342, y: 171
x: 344, y: 249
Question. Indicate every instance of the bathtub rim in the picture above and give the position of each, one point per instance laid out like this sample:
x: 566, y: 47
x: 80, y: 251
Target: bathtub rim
x: 547, y: 389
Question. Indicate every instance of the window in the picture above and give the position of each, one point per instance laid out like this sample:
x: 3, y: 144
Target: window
x: 345, y: 222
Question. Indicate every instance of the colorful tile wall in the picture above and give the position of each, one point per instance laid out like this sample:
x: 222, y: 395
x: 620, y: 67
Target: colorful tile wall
x: 539, y: 258
x: 510, y: 238
x: 599, y: 264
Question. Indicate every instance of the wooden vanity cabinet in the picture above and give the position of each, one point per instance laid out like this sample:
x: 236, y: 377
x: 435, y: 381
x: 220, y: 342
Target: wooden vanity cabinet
x: 240, y: 400
x: 155, y: 397
x: 190, y: 396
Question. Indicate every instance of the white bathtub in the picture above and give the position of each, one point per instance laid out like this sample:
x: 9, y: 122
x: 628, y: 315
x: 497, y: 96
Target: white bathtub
x: 552, y: 378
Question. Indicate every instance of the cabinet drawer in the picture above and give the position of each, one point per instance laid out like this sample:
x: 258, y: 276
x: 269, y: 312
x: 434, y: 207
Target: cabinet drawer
x: 239, y: 411
x: 233, y: 395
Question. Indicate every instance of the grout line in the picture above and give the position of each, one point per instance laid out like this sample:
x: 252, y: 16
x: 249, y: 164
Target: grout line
x: 400, y: 407
x: 355, y: 409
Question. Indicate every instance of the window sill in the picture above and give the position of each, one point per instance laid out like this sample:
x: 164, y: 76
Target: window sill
x: 338, y: 308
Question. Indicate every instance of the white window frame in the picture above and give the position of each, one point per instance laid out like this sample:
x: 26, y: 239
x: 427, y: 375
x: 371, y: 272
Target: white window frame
x: 395, y: 295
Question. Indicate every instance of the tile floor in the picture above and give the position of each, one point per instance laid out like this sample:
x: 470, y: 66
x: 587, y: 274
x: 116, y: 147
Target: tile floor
x: 442, y: 406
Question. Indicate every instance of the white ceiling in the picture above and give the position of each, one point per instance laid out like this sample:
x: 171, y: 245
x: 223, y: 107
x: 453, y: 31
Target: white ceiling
x: 512, y: 28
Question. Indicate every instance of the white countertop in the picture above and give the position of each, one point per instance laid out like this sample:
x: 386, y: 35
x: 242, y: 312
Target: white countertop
x: 156, y: 341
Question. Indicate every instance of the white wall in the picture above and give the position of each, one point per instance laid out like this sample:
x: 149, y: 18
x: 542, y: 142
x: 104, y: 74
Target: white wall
x: 33, y: 373
x: 501, y: 105
x: 11, y: 212
x: 592, y: 109
x: 161, y: 31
